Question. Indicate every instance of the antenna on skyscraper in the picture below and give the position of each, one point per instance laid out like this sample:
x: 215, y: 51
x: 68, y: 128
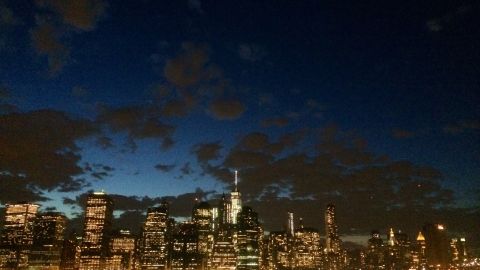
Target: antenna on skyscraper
x: 236, y: 180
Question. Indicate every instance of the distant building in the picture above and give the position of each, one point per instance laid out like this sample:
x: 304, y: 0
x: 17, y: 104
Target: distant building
x: 17, y: 235
x: 236, y: 201
x: 48, y: 237
x: 249, y: 238
x: 186, y: 254
x: 122, y: 251
x: 155, y: 238
x: 436, y: 245
x: 306, y: 248
x: 332, y: 244
x: 96, y: 231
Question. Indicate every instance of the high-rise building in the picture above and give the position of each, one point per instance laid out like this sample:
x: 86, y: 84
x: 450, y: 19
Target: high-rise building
x: 332, y: 244
x: 122, y: 251
x: 17, y: 235
x: 436, y: 245
x: 155, y: 238
x: 48, y: 237
x: 236, y: 201
x: 70, y: 258
x: 96, y: 231
x: 203, y: 219
x: 458, y: 250
x: 375, y: 254
x: 249, y: 238
x: 186, y: 254
x: 291, y: 224
x: 223, y: 257
x: 306, y: 248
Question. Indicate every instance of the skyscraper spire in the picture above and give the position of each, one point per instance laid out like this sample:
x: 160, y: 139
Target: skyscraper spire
x: 236, y: 180
x: 236, y: 201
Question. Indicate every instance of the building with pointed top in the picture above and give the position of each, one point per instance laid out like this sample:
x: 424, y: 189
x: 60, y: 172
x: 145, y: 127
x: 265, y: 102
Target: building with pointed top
x: 236, y: 201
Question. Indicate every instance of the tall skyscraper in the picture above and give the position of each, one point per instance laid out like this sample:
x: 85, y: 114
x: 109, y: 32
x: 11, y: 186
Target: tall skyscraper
x: 96, y: 231
x: 122, y: 251
x: 306, y: 248
x: 236, y: 201
x: 48, y: 237
x: 155, y: 238
x: 185, y: 250
x: 291, y: 224
x: 249, y: 238
x: 436, y: 245
x: 203, y: 219
x: 17, y: 235
x: 331, y: 231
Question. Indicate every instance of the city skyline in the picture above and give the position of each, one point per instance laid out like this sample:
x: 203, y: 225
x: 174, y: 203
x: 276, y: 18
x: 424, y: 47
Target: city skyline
x: 213, y: 239
x: 371, y: 107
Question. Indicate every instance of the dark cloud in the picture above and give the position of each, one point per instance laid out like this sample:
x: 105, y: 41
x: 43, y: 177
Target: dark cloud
x: 7, y: 18
x: 250, y: 52
x: 80, y: 14
x: 56, y: 22
x: 180, y: 206
x: 226, y: 109
x: 207, y: 151
x: 47, y: 136
x: 46, y: 41
x: 79, y: 91
x: 462, y: 126
x: 186, y: 169
x: 190, y: 67
x: 440, y: 23
x: 402, y: 133
x: 196, y: 5
x: 104, y: 142
x: 139, y: 123
x: 275, y: 122
x: 335, y: 167
x: 164, y: 167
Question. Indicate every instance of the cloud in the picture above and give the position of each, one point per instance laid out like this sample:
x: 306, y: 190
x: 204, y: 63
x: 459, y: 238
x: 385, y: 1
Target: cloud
x: 195, y: 5
x: 275, y: 122
x: 56, y: 22
x: 190, y: 67
x: 7, y: 18
x: 79, y: 91
x: 250, y: 52
x: 207, y: 151
x: 226, y: 109
x: 438, y: 24
x: 402, y: 133
x: 462, y: 126
x: 304, y: 171
x: 180, y: 205
x: 45, y: 39
x: 81, y: 14
x: 164, y: 167
x: 138, y: 122
x: 22, y: 148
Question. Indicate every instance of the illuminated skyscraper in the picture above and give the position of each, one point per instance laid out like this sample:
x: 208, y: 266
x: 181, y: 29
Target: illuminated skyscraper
x: 290, y: 224
x: 17, y: 234
x: 236, y: 201
x: 331, y: 231
x: 249, y: 239
x: 96, y: 231
x: 48, y: 237
x: 185, y: 250
x: 155, y: 238
x: 122, y: 251
x: 306, y: 248
x: 203, y: 219
x: 223, y: 257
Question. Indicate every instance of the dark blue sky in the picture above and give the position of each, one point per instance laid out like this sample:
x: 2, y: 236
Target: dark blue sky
x: 395, y: 82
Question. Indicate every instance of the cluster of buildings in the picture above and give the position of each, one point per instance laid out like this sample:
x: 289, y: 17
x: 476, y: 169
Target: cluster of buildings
x: 227, y: 236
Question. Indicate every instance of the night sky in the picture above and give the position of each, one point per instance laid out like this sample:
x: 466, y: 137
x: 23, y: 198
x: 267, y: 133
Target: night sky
x: 371, y: 105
